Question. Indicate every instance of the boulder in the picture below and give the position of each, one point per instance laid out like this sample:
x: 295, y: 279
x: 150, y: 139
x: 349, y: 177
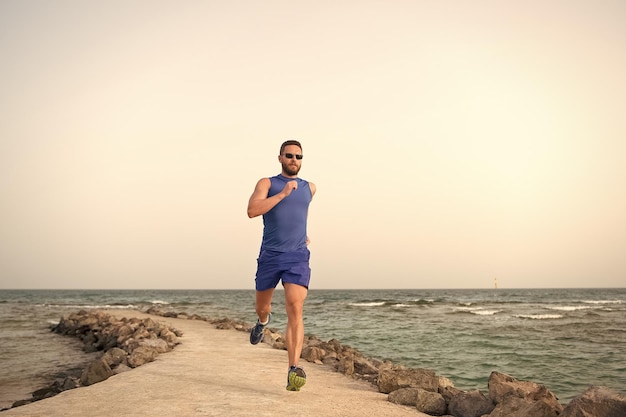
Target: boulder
x: 503, y: 385
x: 404, y: 396
x: 393, y: 378
x: 313, y: 354
x: 535, y: 396
x: 431, y: 403
x: 169, y: 336
x: 142, y: 355
x: 513, y: 406
x: 97, y: 371
x: 46, y: 392
x: 366, y: 366
x: 596, y: 402
x: 121, y: 368
x: 115, y: 357
x: 444, y: 382
x: 470, y: 404
x: 346, y: 365
x: 159, y: 345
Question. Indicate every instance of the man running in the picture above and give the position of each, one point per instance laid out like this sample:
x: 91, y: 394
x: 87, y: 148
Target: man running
x: 283, y: 201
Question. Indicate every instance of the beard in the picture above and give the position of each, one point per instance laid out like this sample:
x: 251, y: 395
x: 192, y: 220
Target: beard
x: 291, y: 169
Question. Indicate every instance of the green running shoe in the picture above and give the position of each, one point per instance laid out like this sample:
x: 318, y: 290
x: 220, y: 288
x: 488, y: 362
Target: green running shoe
x: 296, y: 378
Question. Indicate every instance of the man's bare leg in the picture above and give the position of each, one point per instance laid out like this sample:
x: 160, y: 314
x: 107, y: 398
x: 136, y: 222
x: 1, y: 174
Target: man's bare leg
x: 264, y: 304
x: 294, y: 304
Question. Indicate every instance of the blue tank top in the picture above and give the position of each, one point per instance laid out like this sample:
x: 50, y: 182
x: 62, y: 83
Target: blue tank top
x: 284, y: 226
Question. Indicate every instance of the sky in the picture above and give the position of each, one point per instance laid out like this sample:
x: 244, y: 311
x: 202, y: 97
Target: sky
x: 451, y: 142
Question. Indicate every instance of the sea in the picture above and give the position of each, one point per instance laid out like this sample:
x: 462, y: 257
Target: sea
x: 566, y: 339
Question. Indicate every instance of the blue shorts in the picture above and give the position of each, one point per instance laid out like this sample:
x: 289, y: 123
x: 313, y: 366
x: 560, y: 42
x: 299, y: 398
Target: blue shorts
x: 291, y: 267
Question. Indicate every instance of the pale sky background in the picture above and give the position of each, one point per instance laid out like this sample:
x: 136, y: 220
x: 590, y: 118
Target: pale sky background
x: 451, y: 142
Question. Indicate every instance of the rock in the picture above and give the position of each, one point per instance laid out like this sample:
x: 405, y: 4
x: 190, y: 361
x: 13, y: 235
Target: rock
x: 96, y: 372
x: 68, y: 383
x: 431, y: 403
x: 114, y: 357
x: 596, y: 402
x: 313, y: 354
x: 20, y: 403
x: 470, y: 404
x: 121, y: 368
x: 513, y: 406
x: 393, y: 378
x: 224, y: 324
x: 124, y: 332
x: 503, y: 387
x: 46, y: 392
x: 142, y: 355
x: 365, y: 366
x: 404, y: 396
x: 444, y: 382
x: 159, y: 345
x: 169, y: 336
x: 346, y: 365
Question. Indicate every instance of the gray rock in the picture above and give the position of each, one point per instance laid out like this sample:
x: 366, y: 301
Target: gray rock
x: 404, y: 396
x: 470, y: 404
x: 503, y: 385
x: 597, y: 402
x: 346, y: 365
x: 431, y: 403
x: 365, y: 366
x: 114, y: 357
x: 121, y: 368
x: 513, y: 406
x: 96, y: 372
x: 538, y: 400
x: 391, y: 379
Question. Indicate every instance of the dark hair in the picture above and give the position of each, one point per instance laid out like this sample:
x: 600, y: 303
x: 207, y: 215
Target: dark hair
x: 287, y: 143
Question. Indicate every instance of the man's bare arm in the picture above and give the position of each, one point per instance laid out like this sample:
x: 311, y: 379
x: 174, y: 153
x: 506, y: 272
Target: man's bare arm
x: 260, y: 203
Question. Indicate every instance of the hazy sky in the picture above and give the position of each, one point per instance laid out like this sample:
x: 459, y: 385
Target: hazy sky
x: 451, y: 142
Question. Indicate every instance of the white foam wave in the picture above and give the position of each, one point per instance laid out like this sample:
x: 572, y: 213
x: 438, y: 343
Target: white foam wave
x: 486, y: 312
x: 477, y: 310
x: 539, y: 316
x: 371, y: 304
x: 570, y: 308
x: 93, y: 306
x: 468, y: 309
x: 401, y: 305
x: 602, y: 301
x: 159, y: 302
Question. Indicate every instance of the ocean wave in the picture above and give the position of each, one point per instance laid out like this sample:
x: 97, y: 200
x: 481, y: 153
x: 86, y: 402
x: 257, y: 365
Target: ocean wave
x: 368, y: 304
x: 571, y: 308
x: 159, y: 302
x: 423, y: 301
x: 539, y: 316
x: 602, y: 301
x: 476, y: 310
x: 388, y: 303
x: 92, y: 306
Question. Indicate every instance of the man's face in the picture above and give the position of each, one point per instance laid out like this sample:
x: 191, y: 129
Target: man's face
x: 292, y: 165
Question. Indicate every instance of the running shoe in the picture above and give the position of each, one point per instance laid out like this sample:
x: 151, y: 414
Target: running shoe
x: 296, y: 378
x: 256, y: 335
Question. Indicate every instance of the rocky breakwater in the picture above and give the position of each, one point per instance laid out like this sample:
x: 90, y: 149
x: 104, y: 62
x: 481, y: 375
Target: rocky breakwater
x: 125, y: 343
x: 436, y: 395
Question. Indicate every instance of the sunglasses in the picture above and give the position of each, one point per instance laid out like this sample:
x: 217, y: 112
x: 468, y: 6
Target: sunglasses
x: 291, y: 155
